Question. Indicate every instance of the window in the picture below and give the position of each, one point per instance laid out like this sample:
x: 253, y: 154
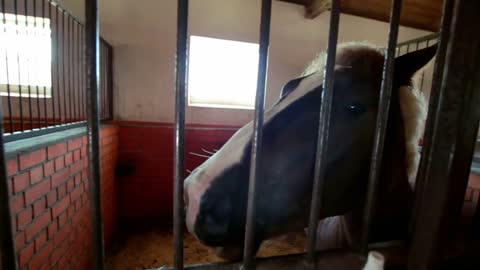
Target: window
x: 25, y: 55
x: 222, y: 73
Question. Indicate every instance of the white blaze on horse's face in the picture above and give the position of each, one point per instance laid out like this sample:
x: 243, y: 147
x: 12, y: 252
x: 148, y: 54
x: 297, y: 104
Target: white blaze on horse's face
x: 231, y: 153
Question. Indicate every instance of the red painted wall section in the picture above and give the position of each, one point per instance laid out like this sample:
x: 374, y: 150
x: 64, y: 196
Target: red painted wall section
x: 50, y: 202
x: 145, y: 169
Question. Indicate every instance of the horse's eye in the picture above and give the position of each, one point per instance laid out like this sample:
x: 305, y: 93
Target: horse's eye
x: 356, y: 109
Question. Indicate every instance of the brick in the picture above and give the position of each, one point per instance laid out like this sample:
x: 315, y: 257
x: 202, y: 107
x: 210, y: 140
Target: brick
x: 62, y: 219
x: 24, y: 218
x: 77, y: 167
x: 30, y: 159
x: 20, y: 240
x: 76, y: 193
x: 41, y: 257
x: 70, y: 185
x: 62, y: 234
x: 60, y: 177
x: 12, y: 166
x: 51, y: 198
x: 17, y: 204
x: 62, y: 191
x: 71, y: 211
x: 37, y: 191
x: 56, y: 150
x: 74, y: 144
x: 20, y: 182
x: 25, y: 255
x: 78, y: 179
x: 37, y: 225
x: 78, y: 205
x: 36, y: 174
x: 52, y: 229
x: 39, y: 206
x: 59, y: 253
x: 49, y: 168
x: 40, y: 240
x: 60, y: 206
x: 77, y: 155
x: 59, y: 163
x: 68, y: 158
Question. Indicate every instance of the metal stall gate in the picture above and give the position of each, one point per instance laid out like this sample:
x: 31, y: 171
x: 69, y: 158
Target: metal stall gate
x: 450, y: 135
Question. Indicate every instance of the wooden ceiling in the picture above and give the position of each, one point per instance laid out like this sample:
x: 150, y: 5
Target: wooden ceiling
x: 421, y: 14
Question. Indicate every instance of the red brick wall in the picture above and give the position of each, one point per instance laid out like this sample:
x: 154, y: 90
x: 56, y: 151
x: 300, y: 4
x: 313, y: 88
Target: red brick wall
x: 50, y: 202
x: 145, y: 166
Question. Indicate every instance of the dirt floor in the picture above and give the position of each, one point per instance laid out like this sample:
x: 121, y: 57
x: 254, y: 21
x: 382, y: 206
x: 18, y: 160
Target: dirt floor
x: 153, y: 249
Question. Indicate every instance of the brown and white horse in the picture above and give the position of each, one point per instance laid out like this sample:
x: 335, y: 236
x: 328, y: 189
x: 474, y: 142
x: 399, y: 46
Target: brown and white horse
x: 216, y: 192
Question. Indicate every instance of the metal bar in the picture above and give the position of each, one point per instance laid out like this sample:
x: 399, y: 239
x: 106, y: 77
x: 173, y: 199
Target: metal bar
x: 58, y: 54
x: 7, y: 241
x: 54, y: 49
x: 37, y: 86
x: 9, y: 99
x: 179, y: 138
x: 93, y: 129
x: 84, y: 78
x: 64, y: 76
x: 75, y: 70
x: 381, y: 125
x: 78, y: 72
x: 70, y: 63
x: 423, y: 73
x: 20, y: 105
x: 29, y: 87
x: 322, y: 136
x: 249, y: 246
x: 444, y: 37
x: 51, y: 70
x: 110, y: 82
x: 455, y: 127
x: 102, y: 80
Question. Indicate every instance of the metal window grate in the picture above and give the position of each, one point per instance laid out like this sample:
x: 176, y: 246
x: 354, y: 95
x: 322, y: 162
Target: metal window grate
x: 42, y: 70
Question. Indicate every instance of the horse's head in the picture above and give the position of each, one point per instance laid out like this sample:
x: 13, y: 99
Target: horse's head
x: 216, y: 192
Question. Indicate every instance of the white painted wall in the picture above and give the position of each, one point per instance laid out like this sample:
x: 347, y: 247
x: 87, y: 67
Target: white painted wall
x: 143, y: 33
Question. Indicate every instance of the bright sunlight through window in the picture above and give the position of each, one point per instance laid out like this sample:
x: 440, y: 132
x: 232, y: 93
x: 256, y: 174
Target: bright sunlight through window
x: 222, y: 73
x: 25, y: 54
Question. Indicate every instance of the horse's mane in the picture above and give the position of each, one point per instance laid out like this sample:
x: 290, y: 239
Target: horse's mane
x: 412, y: 101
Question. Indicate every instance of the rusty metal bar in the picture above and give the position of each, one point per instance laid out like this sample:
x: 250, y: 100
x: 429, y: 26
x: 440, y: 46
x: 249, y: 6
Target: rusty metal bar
x: 381, y: 125
x: 20, y: 103
x: 455, y: 127
x: 444, y: 37
x: 93, y: 129
x: 249, y: 246
x: 324, y: 126
x: 29, y: 87
x: 37, y: 87
x: 179, y: 138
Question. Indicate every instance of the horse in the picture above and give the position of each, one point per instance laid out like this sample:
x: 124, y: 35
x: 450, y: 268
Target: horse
x: 215, y: 193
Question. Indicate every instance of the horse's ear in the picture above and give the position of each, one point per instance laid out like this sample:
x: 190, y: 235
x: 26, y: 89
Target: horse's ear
x: 290, y: 86
x: 408, y: 64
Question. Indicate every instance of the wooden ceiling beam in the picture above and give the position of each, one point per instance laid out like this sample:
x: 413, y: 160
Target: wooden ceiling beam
x: 420, y: 14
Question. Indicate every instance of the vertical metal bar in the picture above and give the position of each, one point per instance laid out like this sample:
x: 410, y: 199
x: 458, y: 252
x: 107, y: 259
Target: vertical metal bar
x: 381, y: 125
x: 79, y: 67
x: 74, y: 71
x: 408, y: 48
x: 322, y: 136
x: 102, y: 78
x: 446, y: 25
x: 70, y: 67
x: 64, y: 75
x: 54, y: 53
x: 455, y: 128
x: 29, y: 87
x: 93, y: 129
x: 84, y: 78
x: 9, y: 99
x: 51, y: 79
x: 179, y: 139
x: 249, y: 248
x: 37, y: 86
x: 58, y: 54
x: 7, y: 243
x: 20, y: 104
x: 110, y: 82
